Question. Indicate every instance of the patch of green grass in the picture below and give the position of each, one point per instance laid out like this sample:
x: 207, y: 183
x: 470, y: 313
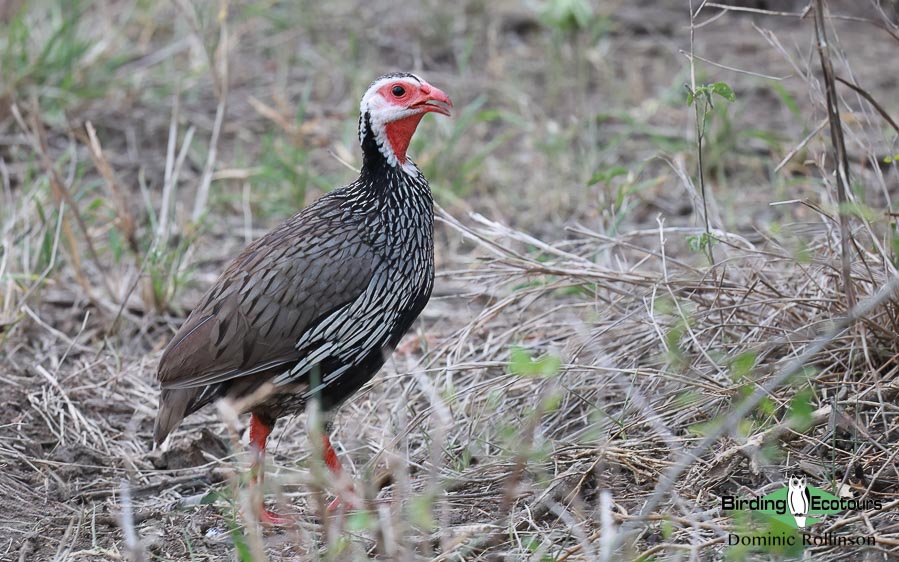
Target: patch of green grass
x: 521, y: 363
x: 49, y: 55
x: 619, y: 186
x: 34, y: 232
x: 284, y: 176
x: 166, y: 271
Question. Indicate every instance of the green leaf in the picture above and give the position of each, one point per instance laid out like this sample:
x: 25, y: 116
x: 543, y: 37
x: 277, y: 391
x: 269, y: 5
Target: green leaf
x: 552, y: 402
x: 742, y: 365
x: 686, y: 399
x: 521, y: 363
x: 723, y: 90
x: 211, y: 497
x: 787, y: 99
x: 664, y: 306
x: 359, y: 521
x: 703, y: 428
x: 767, y: 406
x: 421, y: 512
x: 244, y: 554
x: 567, y: 15
x: 667, y: 529
x: 801, y: 410
x: 860, y: 210
x: 606, y: 175
x: 699, y: 242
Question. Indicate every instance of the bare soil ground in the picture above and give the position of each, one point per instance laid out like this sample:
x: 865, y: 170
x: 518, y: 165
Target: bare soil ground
x: 585, y: 384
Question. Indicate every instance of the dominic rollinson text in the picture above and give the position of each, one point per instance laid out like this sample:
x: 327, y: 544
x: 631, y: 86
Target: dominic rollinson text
x: 805, y: 539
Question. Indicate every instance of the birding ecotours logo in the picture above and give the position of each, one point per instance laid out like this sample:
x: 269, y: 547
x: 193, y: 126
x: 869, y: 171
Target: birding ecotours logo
x: 798, y: 505
x: 791, y: 511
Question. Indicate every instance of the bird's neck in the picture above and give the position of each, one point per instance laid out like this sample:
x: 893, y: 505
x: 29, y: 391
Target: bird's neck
x: 384, y: 181
x: 399, y: 135
x: 389, y: 186
x: 384, y: 145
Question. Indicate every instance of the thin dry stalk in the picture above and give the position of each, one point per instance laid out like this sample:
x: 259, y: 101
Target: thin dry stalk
x: 220, y: 78
x: 172, y: 167
x: 126, y: 521
x: 700, y: 132
x: 867, y: 95
x: 840, y: 157
x: 124, y: 218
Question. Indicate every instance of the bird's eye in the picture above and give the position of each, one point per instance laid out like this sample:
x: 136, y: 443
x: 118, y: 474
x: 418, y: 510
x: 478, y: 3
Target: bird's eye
x: 398, y: 91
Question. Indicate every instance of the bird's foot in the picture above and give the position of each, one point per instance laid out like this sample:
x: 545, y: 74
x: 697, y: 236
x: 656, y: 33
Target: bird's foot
x: 269, y: 518
x: 346, y: 501
x: 338, y: 503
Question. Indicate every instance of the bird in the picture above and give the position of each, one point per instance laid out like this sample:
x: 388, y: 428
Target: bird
x: 313, y: 309
x: 798, y: 498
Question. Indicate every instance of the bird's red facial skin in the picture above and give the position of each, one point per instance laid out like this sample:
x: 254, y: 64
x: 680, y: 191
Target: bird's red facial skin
x: 399, y: 134
x: 422, y: 97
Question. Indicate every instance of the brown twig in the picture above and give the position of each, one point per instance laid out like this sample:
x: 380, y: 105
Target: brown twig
x: 863, y: 93
x: 839, y: 147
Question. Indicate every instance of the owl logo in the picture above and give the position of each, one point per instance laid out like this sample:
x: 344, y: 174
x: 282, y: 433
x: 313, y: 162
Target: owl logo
x: 798, y: 498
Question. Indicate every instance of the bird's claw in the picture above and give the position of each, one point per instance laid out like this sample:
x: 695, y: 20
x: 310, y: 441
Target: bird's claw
x: 347, y: 501
x: 268, y: 518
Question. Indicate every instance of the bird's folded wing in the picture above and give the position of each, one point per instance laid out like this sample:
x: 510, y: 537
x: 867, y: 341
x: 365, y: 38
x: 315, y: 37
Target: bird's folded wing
x: 263, y: 304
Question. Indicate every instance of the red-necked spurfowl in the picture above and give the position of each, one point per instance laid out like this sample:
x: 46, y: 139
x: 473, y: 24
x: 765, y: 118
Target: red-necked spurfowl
x: 315, y: 307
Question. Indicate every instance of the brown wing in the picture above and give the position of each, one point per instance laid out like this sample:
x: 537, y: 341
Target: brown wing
x: 250, y: 320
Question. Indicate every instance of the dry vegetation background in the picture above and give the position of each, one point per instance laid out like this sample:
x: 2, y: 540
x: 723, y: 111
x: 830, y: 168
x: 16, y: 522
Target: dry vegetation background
x: 590, y: 376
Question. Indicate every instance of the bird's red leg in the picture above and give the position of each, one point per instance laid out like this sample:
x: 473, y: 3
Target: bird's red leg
x: 333, y: 463
x: 330, y: 456
x: 259, y: 432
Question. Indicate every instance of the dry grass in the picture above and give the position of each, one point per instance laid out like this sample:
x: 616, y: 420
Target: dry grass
x: 586, y: 383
